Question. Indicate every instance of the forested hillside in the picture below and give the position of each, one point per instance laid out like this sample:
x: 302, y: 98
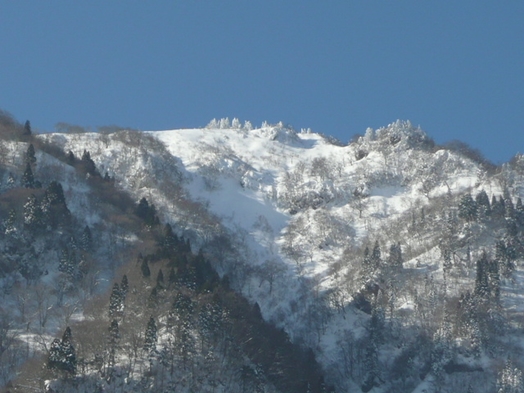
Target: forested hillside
x: 98, y: 294
x: 234, y: 258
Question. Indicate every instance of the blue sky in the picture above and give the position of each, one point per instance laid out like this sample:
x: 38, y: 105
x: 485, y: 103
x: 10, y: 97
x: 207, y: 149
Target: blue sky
x: 456, y: 68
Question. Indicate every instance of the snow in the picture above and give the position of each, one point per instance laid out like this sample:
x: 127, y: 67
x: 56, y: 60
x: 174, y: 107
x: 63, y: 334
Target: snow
x: 254, y: 181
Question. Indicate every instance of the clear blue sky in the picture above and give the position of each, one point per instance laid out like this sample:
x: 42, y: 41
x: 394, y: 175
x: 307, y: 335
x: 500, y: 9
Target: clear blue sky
x: 454, y: 67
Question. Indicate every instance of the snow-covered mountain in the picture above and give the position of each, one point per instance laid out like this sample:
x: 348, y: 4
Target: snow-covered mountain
x: 288, y: 216
x: 398, y: 262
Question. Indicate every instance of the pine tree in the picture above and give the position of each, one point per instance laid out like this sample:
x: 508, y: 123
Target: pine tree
x: 376, y: 260
x: 28, y: 180
x: 124, y: 287
x: 366, y: 264
x: 509, y: 211
x: 183, y: 305
x: 482, y: 280
x: 484, y: 207
x: 153, y: 298
x: 467, y: 208
x: 114, y: 337
x: 62, y: 355
x: 10, y: 223
x: 88, y: 164
x: 72, y: 243
x: 447, y: 263
x: 64, y: 261
x: 68, y: 354
x: 510, y: 379
x: 519, y: 212
x: 30, y: 156
x: 86, y: 240
x: 55, y: 194
x: 72, y: 265
x: 172, y: 276
x: 144, y: 267
x: 147, y: 212
x: 55, y: 356
x: 493, y: 281
x: 505, y: 255
x: 33, y: 216
x: 498, y: 208
x: 11, y: 181
x: 116, y: 302
x: 150, y: 336
x: 27, y: 129
x: 395, y: 255
x: 54, y: 206
x: 170, y: 240
x: 371, y: 367
x: 142, y: 210
x: 71, y: 159
x: 160, y: 279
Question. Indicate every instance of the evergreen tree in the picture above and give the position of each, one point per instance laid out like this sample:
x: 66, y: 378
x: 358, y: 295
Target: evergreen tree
x: 124, y: 287
x: 376, y: 256
x: 511, y: 228
x: 519, y: 213
x: 72, y: 243
x: 144, y: 267
x: 63, y: 260
x: 367, y: 266
x: 371, y: 367
x: 467, y: 208
x: 160, y: 279
x: 28, y: 180
x: 30, y: 156
x: 170, y: 241
x: 510, y: 379
x: 183, y: 305
x: 71, y: 159
x: 482, y: 280
x: 142, y: 210
x: 150, y: 336
x: 10, y: 223
x: 498, y: 208
x: 62, y: 355
x: 86, y: 240
x: 33, y: 216
x: 73, y: 264
x: 172, y: 276
x: 55, y: 355
x: 484, y: 207
x: 116, y: 302
x: 27, y: 129
x: 447, y: 263
x: 88, y: 164
x: 153, y: 298
x: 55, y: 194
x: 114, y: 337
x: 395, y: 255
x: 509, y: 211
x: 54, y: 206
x: 505, y: 256
x: 147, y: 212
x: 68, y: 355
x: 11, y: 181
x: 493, y: 281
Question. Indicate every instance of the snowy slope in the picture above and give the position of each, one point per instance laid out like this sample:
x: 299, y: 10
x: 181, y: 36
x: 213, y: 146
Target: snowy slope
x: 299, y: 208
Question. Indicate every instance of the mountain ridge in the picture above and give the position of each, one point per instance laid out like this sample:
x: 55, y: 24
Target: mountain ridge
x: 360, y: 252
